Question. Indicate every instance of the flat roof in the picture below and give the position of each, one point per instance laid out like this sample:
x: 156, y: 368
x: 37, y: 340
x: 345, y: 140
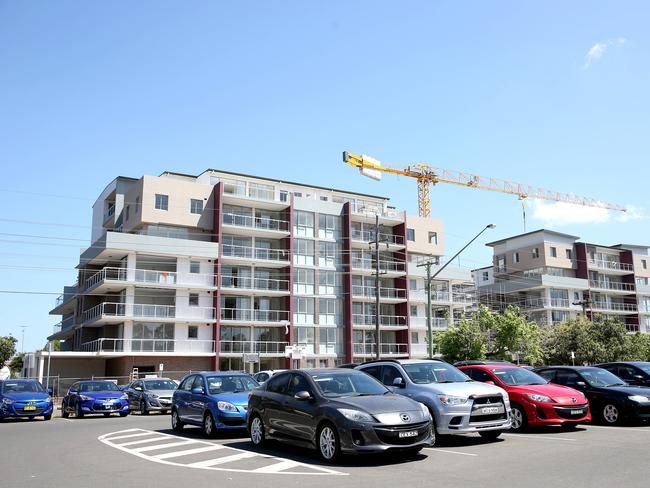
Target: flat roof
x: 561, y: 234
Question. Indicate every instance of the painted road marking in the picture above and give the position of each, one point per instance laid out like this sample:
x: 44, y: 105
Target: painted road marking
x: 627, y: 429
x: 542, y: 437
x: 275, y: 465
x: 436, y: 449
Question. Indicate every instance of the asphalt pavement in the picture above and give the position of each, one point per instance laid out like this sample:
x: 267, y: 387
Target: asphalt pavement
x: 139, y: 450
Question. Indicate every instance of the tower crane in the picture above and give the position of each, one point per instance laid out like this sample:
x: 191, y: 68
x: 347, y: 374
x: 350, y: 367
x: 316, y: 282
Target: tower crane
x: 428, y: 175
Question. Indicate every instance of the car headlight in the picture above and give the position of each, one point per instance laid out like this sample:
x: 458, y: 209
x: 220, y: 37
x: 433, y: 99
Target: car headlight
x: 153, y: 395
x: 48, y: 399
x: 124, y: 397
x: 226, y: 407
x: 540, y: 398
x: 85, y: 398
x: 452, y: 400
x: 356, y: 415
x: 425, y: 411
x: 8, y: 401
x: 639, y: 399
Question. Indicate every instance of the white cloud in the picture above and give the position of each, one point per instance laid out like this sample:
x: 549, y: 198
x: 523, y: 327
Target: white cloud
x: 559, y: 214
x: 597, y: 50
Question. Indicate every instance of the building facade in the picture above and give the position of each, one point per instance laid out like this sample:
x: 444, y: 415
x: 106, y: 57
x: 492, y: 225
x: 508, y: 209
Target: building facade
x: 224, y: 271
x: 553, y: 277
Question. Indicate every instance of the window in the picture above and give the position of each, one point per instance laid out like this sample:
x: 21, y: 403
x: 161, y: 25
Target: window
x: 324, y: 199
x: 192, y: 332
x: 410, y: 235
x: 553, y: 252
x: 303, y: 252
x: 328, y: 227
x: 328, y: 342
x: 433, y: 238
x: 303, y: 310
x: 374, y: 371
x: 568, y: 253
x: 501, y: 264
x: 515, y: 257
x: 303, y: 281
x: 303, y: 224
x: 128, y: 207
x: 162, y: 202
x: 413, y: 285
x: 486, y: 275
x: 194, y: 299
x: 329, y: 311
x: 328, y: 254
x: 389, y: 374
x: 644, y: 264
x: 297, y: 194
x: 478, y: 375
x: 195, y: 267
x: 329, y: 282
x: 284, y: 196
x: 137, y: 204
x: 278, y: 383
x: 187, y: 383
x: 196, y: 206
x: 535, y: 252
x: 414, y: 310
x: 567, y: 378
x: 298, y: 383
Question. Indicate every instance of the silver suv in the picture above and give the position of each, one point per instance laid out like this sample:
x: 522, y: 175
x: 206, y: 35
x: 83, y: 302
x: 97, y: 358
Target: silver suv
x: 457, y: 404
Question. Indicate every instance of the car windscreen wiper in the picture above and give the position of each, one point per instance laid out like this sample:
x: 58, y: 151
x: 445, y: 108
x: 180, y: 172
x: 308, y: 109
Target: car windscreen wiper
x: 616, y: 384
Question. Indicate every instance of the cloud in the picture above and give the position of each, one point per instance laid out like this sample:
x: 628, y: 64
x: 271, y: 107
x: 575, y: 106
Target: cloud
x: 559, y: 214
x: 597, y: 50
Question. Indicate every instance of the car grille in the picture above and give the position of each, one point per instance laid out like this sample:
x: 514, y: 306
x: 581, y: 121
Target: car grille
x: 101, y: 407
x: 568, y: 412
x: 22, y: 411
x: 481, y: 403
x: 487, y: 418
x: 488, y: 399
x: 390, y: 435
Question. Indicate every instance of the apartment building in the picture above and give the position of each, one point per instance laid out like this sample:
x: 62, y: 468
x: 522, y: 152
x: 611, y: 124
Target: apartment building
x: 225, y: 270
x: 554, y: 277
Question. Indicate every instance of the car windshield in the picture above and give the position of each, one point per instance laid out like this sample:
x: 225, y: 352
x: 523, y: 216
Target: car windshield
x: 425, y: 373
x: 98, y: 386
x: 601, y: 377
x: 645, y: 367
x: 230, y: 384
x: 21, y: 387
x: 518, y: 377
x: 350, y: 384
x: 159, y: 385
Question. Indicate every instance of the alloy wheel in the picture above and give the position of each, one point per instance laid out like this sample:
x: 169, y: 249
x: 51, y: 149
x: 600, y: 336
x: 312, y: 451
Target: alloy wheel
x: 327, y: 442
x: 257, y: 433
x: 610, y: 414
x: 517, y: 419
x: 208, y: 425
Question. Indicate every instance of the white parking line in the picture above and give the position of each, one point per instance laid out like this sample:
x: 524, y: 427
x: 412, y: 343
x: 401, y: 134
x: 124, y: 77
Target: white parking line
x: 144, y: 441
x: 437, y: 449
x: 627, y: 429
x: 275, y: 465
x: 542, y: 437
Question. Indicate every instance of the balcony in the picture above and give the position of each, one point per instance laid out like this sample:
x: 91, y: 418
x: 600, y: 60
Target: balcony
x: 614, y: 266
x: 277, y: 317
x: 260, y: 347
x: 560, y: 303
x: 385, y: 293
x: 252, y: 284
x: 249, y: 253
x: 164, y: 279
x: 464, y: 298
x: 384, y: 320
x: 613, y: 286
x: 165, y: 346
x: 254, y: 222
x: 437, y: 323
x: 386, y: 349
x: 111, y: 312
x: 367, y: 212
x: 109, y: 214
x: 65, y: 303
x: 385, y: 266
x: 614, y: 306
x: 365, y: 236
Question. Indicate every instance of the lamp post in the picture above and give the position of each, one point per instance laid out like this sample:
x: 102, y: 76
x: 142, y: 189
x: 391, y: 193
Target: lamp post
x: 431, y: 277
x: 22, y: 340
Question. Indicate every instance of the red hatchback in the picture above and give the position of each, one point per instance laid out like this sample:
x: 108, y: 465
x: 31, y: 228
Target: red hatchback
x: 533, y: 400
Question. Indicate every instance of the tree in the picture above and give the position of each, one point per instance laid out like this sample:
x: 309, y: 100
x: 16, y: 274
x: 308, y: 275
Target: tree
x: 7, y: 349
x: 637, y: 348
x: 515, y: 334
x: 16, y: 364
x: 462, y: 341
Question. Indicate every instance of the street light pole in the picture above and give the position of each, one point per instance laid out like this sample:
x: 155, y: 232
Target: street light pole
x: 431, y: 277
x: 22, y: 340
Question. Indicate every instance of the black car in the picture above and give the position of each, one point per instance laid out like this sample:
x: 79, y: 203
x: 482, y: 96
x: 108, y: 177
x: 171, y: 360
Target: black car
x: 336, y: 411
x: 636, y: 373
x: 611, y: 400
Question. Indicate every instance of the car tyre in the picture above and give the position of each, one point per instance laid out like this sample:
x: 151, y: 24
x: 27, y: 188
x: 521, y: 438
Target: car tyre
x: 47, y: 417
x: 519, y: 420
x: 163, y: 412
x: 209, y: 428
x: 327, y: 442
x: 411, y: 453
x: 107, y: 414
x: 569, y: 426
x: 177, y: 425
x: 610, y: 414
x: 64, y: 411
x: 256, y: 428
x: 123, y: 414
x: 143, y: 408
x: 78, y: 413
x: 490, y: 435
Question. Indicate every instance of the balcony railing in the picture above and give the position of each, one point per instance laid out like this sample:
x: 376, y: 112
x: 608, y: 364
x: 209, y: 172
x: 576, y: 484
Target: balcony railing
x: 367, y: 263
x: 105, y: 345
x: 253, y: 283
x: 612, y: 285
x: 372, y: 210
x: 610, y: 265
x: 255, y: 222
x: 248, y: 252
x: 149, y: 276
x: 459, y: 297
x: 261, y: 347
x: 384, y: 320
x: 106, y: 274
x: 384, y: 348
x: 560, y: 302
x: 614, y: 306
x: 147, y: 311
x: 369, y: 236
x: 384, y: 292
x: 248, y: 315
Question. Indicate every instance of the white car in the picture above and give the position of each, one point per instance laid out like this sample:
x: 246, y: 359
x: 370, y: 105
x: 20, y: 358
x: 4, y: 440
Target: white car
x: 262, y: 376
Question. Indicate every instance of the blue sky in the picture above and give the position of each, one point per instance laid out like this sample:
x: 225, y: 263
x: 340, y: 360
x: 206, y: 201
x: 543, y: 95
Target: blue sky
x: 549, y: 93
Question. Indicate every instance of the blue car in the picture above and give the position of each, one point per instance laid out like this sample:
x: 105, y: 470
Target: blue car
x: 25, y: 398
x: 92, y: 396
x: 214, y: 401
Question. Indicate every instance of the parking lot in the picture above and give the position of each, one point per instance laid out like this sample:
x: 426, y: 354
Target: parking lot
x: 136, y: 450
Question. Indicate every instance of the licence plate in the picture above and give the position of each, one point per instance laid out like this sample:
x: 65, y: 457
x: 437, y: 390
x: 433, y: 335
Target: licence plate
x: 29, y: 408
x: 489, y: 410
x: 577, y: 412
x: 410, y: 433
x: 108, y: 405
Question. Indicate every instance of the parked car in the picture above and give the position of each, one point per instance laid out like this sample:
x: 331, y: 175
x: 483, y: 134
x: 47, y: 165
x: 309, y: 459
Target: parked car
x: 474, y: 362
x: 93, y: 396
x: 457, y: 404
x: 349, y: 365
x: 25, y: 398
x: 533, y: 400
x: 151, y: 394
x: 611, y: 399
x: 263, y: 376
x: 336, y: 411
x: 635, y: 373
x: 214, y: 401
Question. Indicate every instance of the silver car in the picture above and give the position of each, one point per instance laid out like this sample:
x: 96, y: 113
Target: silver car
x: 457, y: 404
x: 151, y: 394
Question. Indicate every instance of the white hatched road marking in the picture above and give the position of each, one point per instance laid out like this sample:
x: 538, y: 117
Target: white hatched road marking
x: 437, y: 449
x: 276, y: 465
x: 542, y: 437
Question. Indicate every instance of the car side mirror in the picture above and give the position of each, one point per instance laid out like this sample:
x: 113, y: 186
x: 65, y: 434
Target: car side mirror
x: 50, y: 391
x: 490, y: 382
x: 198, y: 390
x: 638, y: 377
x: 581, y: 385
x: 302, y: 396
x: 399, y: 382
x: 137, y: 388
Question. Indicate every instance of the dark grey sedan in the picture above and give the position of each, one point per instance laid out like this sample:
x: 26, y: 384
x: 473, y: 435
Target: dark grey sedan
x: 151, y: 394
x: 337, y: 411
